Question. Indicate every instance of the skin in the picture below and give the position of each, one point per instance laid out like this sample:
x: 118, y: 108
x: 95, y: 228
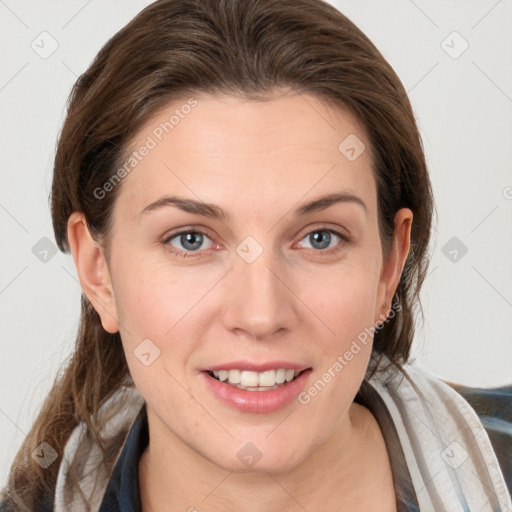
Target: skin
x: 296, y: 302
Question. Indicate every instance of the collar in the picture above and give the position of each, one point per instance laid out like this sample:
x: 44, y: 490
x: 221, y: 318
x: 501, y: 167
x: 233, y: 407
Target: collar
x: 123, y: 488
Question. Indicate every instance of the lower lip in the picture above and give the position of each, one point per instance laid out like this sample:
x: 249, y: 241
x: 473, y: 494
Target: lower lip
x: 257, y: 401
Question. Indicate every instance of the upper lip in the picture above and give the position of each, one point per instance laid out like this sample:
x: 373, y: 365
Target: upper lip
x: 258, y: 367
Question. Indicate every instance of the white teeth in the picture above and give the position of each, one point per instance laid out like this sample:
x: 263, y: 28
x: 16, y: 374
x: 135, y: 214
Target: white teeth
x: 280, y: 376
x: 246, y: 378
x: 234, y: 376
x: 289, y: 375
x: 267, y: 378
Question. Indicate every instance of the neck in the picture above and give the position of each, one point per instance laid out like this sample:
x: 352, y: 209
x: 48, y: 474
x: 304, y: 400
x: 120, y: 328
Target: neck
x: 340, y: 472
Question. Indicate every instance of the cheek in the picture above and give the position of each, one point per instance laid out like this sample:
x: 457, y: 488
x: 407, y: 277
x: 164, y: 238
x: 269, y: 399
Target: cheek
x: 346, y: 303
x: 154, y: 341
x: 149, y: 295
x: 141, y: 307
x: 346, y: 307
x: 161, y: 305
x: 346, y: 350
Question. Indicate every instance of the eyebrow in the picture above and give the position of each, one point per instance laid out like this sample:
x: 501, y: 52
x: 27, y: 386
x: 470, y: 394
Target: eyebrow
x: 216, y: 212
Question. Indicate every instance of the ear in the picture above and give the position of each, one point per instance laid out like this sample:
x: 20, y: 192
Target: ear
x: 91, y: 265
x: 394, y: 264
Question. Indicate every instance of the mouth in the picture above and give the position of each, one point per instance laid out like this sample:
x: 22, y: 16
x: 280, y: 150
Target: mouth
x: 240, y: 386
x: 256, y: 381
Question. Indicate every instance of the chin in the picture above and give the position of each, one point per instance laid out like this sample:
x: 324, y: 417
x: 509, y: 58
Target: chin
x: 261, y: 457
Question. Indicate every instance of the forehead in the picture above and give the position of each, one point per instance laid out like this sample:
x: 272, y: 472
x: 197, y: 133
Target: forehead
x: 248, y: 153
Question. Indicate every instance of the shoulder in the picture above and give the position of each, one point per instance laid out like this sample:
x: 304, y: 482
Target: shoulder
x: 443, y: 433
x: 494, y: 409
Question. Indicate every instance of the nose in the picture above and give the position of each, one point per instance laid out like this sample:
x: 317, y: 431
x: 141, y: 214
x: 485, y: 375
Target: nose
x: 259, y: 298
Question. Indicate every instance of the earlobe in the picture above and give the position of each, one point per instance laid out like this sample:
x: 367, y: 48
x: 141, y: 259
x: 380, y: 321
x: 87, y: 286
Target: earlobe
x: 92, y: 268
x: 393, y: 266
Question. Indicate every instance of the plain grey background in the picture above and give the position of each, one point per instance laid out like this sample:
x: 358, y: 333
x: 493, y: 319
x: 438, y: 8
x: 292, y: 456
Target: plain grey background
x: 454, y: 60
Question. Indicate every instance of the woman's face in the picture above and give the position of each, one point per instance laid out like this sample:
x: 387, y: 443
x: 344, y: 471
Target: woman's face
x: 269, y: 281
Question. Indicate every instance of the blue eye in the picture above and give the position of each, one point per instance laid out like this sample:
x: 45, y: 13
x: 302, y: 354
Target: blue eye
x: 190, y: 240
x: 323, y: 241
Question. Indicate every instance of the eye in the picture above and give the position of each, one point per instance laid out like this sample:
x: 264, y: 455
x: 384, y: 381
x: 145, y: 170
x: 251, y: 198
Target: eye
x: 321, y: 239
x: 190, y: 242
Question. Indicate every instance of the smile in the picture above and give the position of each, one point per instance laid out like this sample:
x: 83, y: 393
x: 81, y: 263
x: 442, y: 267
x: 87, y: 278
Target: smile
x: 255, y: 381
x: 277, y: 388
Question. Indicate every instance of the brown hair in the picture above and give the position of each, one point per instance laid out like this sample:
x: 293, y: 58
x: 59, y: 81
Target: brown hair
x: 178, y: 47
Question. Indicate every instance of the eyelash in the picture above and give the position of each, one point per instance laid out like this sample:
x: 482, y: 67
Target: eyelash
x: 192, y: 254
